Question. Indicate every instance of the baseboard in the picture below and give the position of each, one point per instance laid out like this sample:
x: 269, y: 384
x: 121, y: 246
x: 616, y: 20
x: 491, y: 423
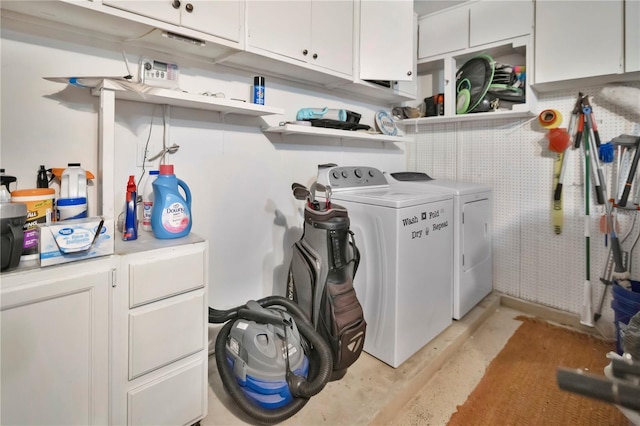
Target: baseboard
x: 547, y: 313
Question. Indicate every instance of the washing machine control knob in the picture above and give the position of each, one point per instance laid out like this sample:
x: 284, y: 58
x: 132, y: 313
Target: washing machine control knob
x: 371, y: 173
x: 345, y: 174
x: 335, y: 175
x: 358, y: 173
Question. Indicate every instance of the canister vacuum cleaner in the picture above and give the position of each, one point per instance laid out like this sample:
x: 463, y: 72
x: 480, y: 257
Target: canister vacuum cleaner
x: 275, y: 353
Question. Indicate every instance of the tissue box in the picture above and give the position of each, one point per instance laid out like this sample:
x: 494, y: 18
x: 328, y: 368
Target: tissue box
x: 77, y: 239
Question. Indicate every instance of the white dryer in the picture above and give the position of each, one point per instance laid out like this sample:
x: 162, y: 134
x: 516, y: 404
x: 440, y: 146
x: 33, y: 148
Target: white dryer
x: 473, y: 259
x: 404, y: 281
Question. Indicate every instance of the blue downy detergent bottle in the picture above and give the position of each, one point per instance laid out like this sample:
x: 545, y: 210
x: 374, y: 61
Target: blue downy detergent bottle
x: 171, y: 215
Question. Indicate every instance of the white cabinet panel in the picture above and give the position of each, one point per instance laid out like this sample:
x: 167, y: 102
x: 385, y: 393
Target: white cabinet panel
x: 54, y: 333
x: 632, y: 35
x: 165, y: 332
x: 386, y: 32
x: 443, y: 32
x: 157, y: 403
x: 332, y: 35
x: 155, y: 277
x: 280, y: 27
x: 317, y: 32
x: 571, y: 41
x: 156, y: 9
x: 218, y: 18
x: 491, y: 21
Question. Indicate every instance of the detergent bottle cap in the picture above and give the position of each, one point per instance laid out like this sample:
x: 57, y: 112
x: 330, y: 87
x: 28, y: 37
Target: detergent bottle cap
x: 166, y: 169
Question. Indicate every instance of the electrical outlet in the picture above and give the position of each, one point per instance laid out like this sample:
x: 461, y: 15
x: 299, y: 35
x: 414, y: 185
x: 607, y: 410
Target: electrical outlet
x: 143, y: 152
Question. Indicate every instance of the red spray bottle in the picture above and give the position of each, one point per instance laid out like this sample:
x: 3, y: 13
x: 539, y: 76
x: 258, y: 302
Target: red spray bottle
x: 130, y: 231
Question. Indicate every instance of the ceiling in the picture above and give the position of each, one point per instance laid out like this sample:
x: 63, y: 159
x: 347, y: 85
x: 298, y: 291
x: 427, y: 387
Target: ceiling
x: 423, y: 7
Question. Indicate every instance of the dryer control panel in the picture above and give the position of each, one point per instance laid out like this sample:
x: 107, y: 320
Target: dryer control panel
x: 352, y: 177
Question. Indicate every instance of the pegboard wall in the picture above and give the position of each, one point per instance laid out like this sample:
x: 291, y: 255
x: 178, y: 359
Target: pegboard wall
x: 531, y: 261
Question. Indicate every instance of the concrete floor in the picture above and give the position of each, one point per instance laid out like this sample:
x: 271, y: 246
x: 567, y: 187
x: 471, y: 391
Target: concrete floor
x: 424, y: 390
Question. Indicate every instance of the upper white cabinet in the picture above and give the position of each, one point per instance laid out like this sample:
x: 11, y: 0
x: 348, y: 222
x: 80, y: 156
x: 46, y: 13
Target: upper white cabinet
x: 491, y: 21
x: 219, y: 18
x: 319, y: 33
x: 385, y: 37
x: 632, y: 36
x: 578, y: 39
x: 386, y: 40
x: 447, y: 39
x: 473, y: 24
x: 443, y: 32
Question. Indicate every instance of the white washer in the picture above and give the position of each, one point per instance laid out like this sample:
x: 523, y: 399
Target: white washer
x: 473, y: 259
x: 404, y: 281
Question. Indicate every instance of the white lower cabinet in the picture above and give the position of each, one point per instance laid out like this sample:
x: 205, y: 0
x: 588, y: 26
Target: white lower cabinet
x: 55, y: 345
x: 119, y: 340
x: 160, y: 341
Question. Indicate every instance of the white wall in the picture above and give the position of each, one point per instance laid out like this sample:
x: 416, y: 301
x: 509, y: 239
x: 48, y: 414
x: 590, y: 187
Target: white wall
x: 239, y: 177
x: 531, y: 262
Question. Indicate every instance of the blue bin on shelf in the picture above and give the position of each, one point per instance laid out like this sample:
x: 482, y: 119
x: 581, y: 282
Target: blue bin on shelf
x: 625, y: 304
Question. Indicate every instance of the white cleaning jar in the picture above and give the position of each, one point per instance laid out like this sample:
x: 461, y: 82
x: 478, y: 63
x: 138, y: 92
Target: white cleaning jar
x: 73, y: 182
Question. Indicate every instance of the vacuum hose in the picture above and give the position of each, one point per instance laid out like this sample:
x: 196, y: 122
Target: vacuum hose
x: 320, y: 360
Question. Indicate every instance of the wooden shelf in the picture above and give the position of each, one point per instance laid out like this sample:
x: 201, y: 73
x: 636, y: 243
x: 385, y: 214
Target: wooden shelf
x: 178, y: 98
x: 294, y: 129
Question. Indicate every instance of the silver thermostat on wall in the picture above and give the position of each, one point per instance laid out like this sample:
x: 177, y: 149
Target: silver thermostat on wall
x: 159, y: 73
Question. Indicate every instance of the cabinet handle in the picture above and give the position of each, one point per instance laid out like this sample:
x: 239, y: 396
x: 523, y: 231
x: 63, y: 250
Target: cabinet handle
x: 175, y: 4
x: 189, y: 7
x: 409, y: 73
x: 315, y: 56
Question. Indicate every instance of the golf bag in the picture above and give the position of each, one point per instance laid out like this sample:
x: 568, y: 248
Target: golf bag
x: 321, y: 273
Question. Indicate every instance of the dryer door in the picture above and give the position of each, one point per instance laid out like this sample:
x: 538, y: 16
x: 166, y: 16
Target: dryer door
x: 476, y: 233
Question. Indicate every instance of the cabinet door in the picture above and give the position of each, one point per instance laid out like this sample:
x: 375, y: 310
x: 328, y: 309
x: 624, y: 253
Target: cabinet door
x: 443, y: 32
x: 491, y: 21
x: 220, y: 18
x: 570, y: 40
x: 161, y: 10
x: 332, y: 35
x: 55, y: 347
x: 410, y: 88
x: 386, y: 32
x: 632, y: 36
x: 281, y: 27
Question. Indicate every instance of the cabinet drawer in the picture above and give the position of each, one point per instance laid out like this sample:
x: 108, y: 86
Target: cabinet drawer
x: 177, y: 398
x: 158, y: 278
x: 165, y: 332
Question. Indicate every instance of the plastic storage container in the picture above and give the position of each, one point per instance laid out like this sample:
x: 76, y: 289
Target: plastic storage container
x: 73, y: 182
x: 147, y: 199
x: 171, y: 214
x: 71, y: 208
x: 625, y: 304
x: 39, y: 210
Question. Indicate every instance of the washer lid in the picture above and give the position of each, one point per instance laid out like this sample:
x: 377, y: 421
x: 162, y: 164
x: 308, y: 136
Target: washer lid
x: 394, y: 197
x: 460, y: 188
x: 423, y: 186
